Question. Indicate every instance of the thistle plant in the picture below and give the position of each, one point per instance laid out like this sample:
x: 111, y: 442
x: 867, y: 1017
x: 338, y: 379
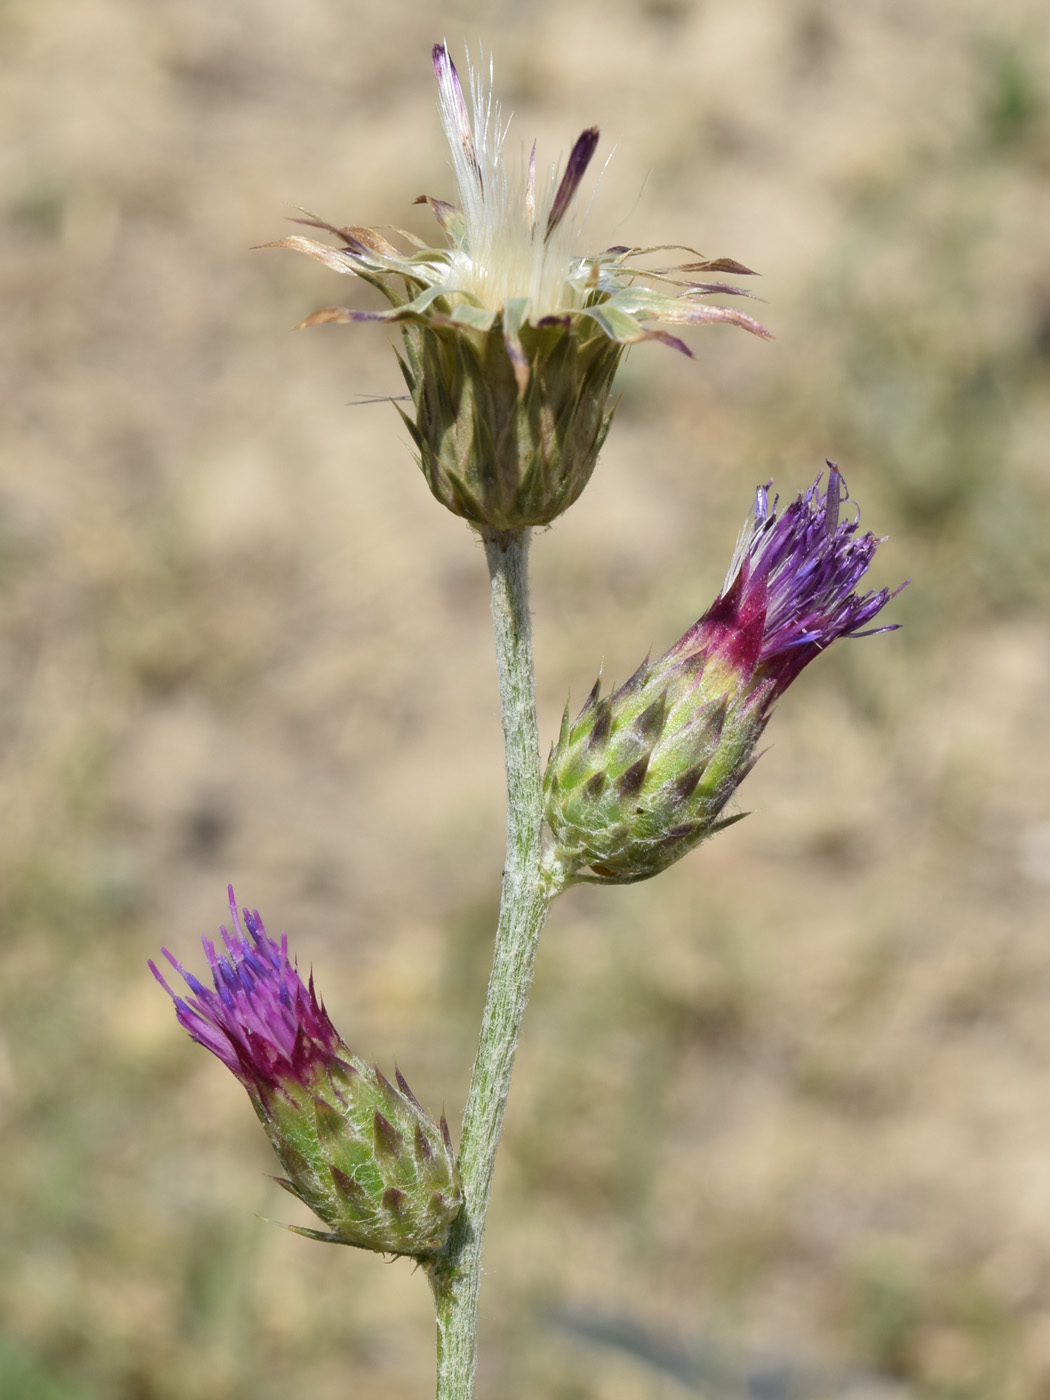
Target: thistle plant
x: 510, y: 344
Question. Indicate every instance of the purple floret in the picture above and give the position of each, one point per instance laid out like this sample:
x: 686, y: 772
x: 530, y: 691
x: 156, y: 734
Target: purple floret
x: 791, y: 588
x: 261, y: 1020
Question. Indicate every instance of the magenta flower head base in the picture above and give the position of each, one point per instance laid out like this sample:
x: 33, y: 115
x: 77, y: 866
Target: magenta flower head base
x: 360, y: 1152
x: 643, y: 775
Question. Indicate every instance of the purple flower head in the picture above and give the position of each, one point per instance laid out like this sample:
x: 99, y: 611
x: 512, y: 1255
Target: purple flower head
x: 261, y: 1020
x: 644, y: 774
x: 361, y: 1152
x: 791, y: 590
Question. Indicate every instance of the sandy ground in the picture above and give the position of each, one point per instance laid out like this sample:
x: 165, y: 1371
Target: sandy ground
x: 781, y: 1125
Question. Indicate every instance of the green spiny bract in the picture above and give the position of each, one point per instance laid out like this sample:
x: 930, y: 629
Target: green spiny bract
x: 366, y: 1159
x: 642, y: 775
x: 507, y: 445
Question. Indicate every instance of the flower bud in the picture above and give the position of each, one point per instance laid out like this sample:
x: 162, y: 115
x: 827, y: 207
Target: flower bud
x: 643, y: 775
x: 360, y: 1152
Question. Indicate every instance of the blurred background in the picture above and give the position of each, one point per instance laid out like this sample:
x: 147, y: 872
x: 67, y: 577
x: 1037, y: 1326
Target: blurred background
x: 781, y: 1122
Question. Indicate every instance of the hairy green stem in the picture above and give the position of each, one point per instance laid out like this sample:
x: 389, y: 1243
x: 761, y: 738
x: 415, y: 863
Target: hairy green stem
x: 528, y: 889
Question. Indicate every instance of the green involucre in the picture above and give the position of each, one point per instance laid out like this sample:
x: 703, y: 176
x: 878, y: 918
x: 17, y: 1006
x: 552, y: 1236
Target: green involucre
x: 507, y: 442
x: 366, y: 1159
x: 643, y: 775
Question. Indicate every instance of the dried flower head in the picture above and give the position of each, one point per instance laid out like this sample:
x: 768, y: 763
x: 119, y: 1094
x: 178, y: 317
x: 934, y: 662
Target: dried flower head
x: 643, y: 775
x: 512, y: 338
x: 362, y: 1154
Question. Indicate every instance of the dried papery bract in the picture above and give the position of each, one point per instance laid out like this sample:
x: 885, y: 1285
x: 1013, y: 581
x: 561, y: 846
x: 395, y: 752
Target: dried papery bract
x: 643, y: 775
x: 361, y: 1152
x: 511, y: 339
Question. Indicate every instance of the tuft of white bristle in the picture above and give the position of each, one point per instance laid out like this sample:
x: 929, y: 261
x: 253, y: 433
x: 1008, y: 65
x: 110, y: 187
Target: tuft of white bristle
x: 509, y: 249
